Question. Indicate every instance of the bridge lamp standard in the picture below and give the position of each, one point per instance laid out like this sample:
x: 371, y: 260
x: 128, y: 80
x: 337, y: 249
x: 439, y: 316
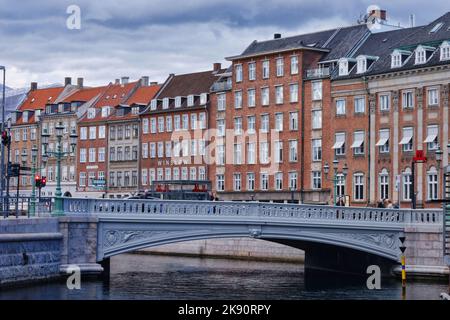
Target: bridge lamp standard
x: 58, y: 154
x: 335, y: 179
x: 34, y: 153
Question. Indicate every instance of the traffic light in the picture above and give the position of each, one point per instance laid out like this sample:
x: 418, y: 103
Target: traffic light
x: 43, y: 182
x: 38, y: 181
x: 5, y: 138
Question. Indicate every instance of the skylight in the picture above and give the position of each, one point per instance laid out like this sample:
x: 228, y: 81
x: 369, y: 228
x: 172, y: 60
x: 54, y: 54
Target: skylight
x: 437, y: 27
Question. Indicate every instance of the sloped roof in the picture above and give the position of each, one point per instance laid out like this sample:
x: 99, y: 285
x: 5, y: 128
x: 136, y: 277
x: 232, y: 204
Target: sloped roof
x: 85, y: 94
x: 143, y: 95
x: 37, y: 99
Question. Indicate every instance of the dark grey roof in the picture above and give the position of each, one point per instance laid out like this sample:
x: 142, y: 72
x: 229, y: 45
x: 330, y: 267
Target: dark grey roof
x: 345, y: 40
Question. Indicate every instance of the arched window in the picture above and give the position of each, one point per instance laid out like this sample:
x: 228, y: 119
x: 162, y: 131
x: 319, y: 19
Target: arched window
x: 407, y: 184
x: 384, y: 184
x: 432, y: 184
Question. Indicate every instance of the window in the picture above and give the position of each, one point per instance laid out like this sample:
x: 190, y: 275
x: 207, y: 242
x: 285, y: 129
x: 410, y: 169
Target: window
x: 145, y: 125
x: 202, y: 120
x: 293, y: 154
x: 317, y: 90
x: 317, y: 119
x: 445, y: 51
x: 421, y: 55
x: 238, y: 126
x: 120, y: 154
x: 203, y: 99
x: 251, y: 97
x: 278, y: 151
x: 153, y: 125
x: 358, y: 143
x: 152, y: 150
x: 293, y: 120
x: 237, y: 153
x: 396, y: 60
x: 339, y: 143
x: 177, y: 102
x: 33, y: 134
x: 407, y: 140
x: 166, y: 103
x: 250, y: 181
x: 112, y: 154
x: 127, y: 154
x: 101, y: 154
x: 220, y: 127
x: 317, y: 180
x: 177, y: 122
x: 238, y: 99
x: 101, y: 132
x: 151, y: 176
x: 293, y: 93
x: 407, y: 99
x: 432, y: 184
x: 168, y: 149
x: 317, y: 149
x: 237, y: 182
x: 91, y: 113
x: 160, y: 124
x: 82, y: 181
x: 193, y: 121
x: 160, y: 174
x: 83, y: 133
x: 169, y: 123
x: 105, y: 112
x: 358, y: 187
x: 294, y: 65
x: 340, y: 107
x: 432, y: 137
x: 144, y: 177
x: 251, y: 124
x: 360, y: 105
x: 264, y: 152
x: 292, y: 181
x: 92, y: 154
x: 190, y: 101
x: 153, y: 104
x: 144, y: 148
x: 185, y: 122
x: 251, y: 153
x: 265, y: 96
x: 279, y: 122
x: 343, y: 67
x: 361, y: 64
x: 193, y: 148
x: 265, y: 69
x: 185, y: 148
x: 193, y: 173
x: 385, y: 102
x: 407, y: 185
x: 82, y: 155
x: 433, y: 97
x: 265, y: 123
x: 252, y: 71
x: 127, y: 132
x: 220, y: 182
x: 340, y: 185
x: 279, y: 94
x: 221, y: 101
x: 264, y: 182
x: 384, y: 184
x: 279, y: 181
x: 220, y: 154
x: 92, y: 133
x: 176, y: 174
x: 280, y: 67
x: 383, y: 143
x: 24, y: 134
x: 238, y: 70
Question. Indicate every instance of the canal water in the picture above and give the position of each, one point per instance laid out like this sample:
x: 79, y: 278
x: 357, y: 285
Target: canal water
x: 167, y: 277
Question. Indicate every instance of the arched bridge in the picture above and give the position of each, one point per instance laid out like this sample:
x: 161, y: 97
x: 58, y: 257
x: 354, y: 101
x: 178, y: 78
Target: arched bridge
x: 119, y: 226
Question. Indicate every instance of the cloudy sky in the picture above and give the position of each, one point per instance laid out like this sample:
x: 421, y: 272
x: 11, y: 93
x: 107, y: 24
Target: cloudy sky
x: 157, y: 37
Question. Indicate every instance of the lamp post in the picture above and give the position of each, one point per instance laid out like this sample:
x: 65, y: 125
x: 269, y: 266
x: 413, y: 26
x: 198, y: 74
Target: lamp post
x: 335, y: 179
x: 438, y: 156
x: 58, y: 154
x: 2, y: 161
x: 34, y: 152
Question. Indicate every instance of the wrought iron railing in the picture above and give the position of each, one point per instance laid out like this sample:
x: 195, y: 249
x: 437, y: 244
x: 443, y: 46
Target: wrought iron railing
x: 21, y: 206
x: 168, y: 208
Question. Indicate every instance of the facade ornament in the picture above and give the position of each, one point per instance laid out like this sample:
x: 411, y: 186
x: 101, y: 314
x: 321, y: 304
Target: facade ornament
x: 395, y: 98
x: 419, y: 96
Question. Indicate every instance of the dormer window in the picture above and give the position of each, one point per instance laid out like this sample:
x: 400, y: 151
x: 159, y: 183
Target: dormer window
x: 91, y: 113
x: 135, y: 110
x: 153, y: 104
x: 190, y: 100
x: 343, y: 67
x: 177, y: 102
x: 25, y: 116
x: 166, y: 103
x: 203, y: 98
x: 361, y: 63
x: 105, y: 112
x: 421, y: 55
x: 396, y: 60
x: 37, y: 114
x: 445, y: 51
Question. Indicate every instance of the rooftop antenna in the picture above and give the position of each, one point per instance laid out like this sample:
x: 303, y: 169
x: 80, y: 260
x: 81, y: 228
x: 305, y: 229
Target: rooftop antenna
x: 412, y: 20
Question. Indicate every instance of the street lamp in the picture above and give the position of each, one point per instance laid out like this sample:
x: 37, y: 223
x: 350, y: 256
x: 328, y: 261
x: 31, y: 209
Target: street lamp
x: 34, y: 153
x: 2, y: 161
x: 58, y: 154
x: 335, y: 179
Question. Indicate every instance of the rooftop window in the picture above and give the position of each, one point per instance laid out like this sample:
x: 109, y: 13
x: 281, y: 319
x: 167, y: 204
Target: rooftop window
x: 437, y: 27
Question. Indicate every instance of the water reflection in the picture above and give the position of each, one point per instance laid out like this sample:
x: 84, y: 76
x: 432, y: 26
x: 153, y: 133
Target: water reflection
x: 163, y: 277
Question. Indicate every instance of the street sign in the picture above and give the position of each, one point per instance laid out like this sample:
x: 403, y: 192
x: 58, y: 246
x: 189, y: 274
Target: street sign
x: 99, y: 182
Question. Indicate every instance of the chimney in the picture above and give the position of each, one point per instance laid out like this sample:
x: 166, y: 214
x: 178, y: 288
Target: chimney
x: 379, y: 14
x: 277, y: 36
x: 117, y: 81
x: 412, y: 20
x: 67, y: 81
x: 80, y: 82
x: 217, y: 66
x: 33, y: 86
x: 153, y: 83
x: 125, y: 80
x: 144, y: 81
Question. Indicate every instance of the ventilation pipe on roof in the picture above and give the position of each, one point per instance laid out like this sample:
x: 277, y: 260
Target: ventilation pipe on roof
x: 144, y: 81
x: 412, y: 20
x: 80, y: 82
x: 125, y: 80
x: 67, y: 81
x: 117, y: 81
x: 33, y: 86
x: 277, y: 36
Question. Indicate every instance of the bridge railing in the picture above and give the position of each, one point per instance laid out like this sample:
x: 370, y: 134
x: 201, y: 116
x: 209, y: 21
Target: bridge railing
x: 248, y: 209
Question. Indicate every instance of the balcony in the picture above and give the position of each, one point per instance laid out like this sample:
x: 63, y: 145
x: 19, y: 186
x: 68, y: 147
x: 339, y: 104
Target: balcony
x: 317, y: 73
x: 221, y: 86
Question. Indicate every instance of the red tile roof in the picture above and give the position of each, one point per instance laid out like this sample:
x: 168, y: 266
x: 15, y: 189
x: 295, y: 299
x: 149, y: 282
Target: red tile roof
x: 115, y: 94
x: 143, y: 95
x: 37, y: 99
x: 85, y: 94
